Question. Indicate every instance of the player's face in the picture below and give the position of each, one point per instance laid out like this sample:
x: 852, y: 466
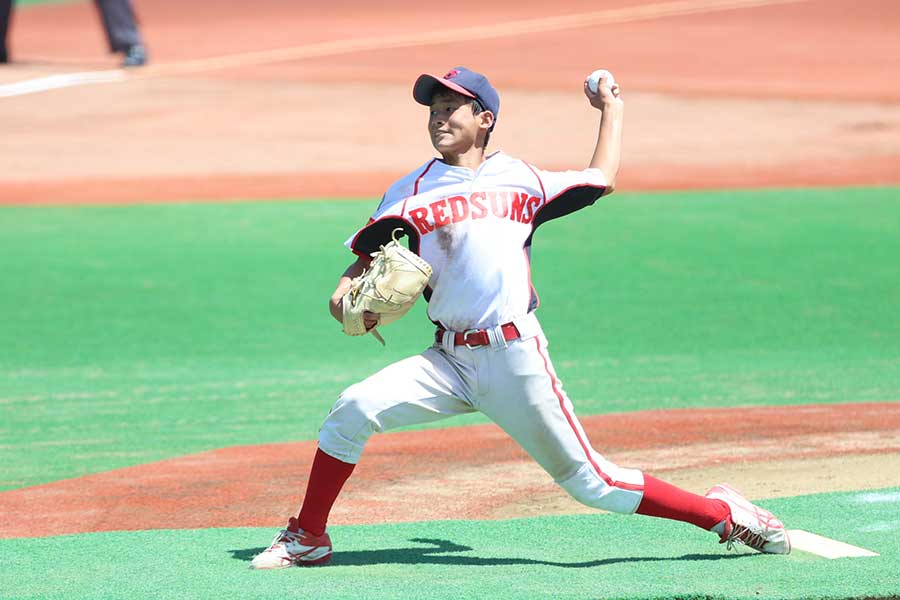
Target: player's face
x: 452, y: 124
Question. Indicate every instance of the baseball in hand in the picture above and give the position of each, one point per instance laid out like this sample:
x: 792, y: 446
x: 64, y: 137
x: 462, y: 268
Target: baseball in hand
x: 593, y: 81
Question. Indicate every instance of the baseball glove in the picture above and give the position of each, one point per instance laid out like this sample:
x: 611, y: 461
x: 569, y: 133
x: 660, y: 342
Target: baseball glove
x: 389, y: 288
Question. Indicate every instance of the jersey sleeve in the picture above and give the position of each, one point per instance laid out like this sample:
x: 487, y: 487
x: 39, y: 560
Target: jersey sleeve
x: 567, y: 191
x: 388, y: 217
x: 375, y: 233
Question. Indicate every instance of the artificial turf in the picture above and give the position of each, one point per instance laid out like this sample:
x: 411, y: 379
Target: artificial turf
x: 583, y: 557
x: 137, y: 333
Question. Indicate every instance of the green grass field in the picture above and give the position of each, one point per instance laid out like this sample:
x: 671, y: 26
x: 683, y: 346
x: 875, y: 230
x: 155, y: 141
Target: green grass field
x: 137, y: 333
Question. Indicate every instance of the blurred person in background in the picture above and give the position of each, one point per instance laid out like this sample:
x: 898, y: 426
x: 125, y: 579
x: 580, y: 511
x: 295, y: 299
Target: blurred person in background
x: 119, y: 22
x: 5, y: 10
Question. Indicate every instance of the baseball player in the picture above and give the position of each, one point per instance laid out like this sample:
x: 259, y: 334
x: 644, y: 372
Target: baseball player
x: 472, y: 216
x: 5, y: 14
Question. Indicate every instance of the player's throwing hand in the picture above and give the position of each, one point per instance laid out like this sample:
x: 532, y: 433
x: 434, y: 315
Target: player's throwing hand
x: 601, y: 89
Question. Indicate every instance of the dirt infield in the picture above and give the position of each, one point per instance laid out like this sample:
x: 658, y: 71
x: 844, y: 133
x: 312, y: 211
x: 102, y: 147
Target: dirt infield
x: 288, y: 100
x: 476, y: 472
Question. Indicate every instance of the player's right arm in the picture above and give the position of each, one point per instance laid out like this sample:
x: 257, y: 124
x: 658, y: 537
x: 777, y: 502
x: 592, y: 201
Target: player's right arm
x: 336, y: 303
x: 608, y: 151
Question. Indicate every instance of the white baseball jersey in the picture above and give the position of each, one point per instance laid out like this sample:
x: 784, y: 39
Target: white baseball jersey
x: 475, y: 228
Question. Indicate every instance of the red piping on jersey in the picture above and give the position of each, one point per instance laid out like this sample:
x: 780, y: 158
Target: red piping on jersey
x: 419, y: 179
x: 354, y: 250
x: 549, y: 200
x: 531, y: 289
x: 577, y: 185
x: 540, y: 183
x: 416, y: 186
x: 571, y: 187
x: 587, y: 451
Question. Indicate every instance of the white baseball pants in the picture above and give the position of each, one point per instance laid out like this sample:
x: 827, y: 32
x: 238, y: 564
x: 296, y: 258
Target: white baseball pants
x: 512, y: 383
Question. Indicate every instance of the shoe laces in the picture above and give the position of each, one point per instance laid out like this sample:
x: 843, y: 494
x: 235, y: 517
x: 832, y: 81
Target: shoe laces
x: 285, y: 536
x: 744, y: 535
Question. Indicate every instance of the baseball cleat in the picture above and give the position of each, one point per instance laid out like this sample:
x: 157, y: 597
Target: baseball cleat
x: 749, y: 524
x: 294, y: 548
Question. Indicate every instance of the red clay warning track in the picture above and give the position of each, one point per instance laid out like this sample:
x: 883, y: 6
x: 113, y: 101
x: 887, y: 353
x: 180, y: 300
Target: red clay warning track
x: 467, y: 472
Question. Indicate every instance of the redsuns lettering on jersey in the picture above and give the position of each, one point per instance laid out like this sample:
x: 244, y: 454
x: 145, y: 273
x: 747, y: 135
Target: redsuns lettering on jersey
x: 514, y: 206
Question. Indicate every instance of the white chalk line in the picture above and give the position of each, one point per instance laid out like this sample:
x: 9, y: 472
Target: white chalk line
x: 64, y: 80
x: 878, y: 498
x: 825, y: 547
x: 468, y: 34
x: 429, y: 38
x: 881, y: 526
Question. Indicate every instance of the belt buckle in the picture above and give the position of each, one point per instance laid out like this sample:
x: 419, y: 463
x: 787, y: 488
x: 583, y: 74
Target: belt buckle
x: 466, y: 337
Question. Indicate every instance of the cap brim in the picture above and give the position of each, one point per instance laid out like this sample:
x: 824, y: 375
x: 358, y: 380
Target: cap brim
x: 427, y: 85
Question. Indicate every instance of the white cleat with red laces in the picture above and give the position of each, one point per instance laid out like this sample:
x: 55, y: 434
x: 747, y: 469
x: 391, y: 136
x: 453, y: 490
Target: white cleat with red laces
x: 294, y: 549
x: 749, y: 524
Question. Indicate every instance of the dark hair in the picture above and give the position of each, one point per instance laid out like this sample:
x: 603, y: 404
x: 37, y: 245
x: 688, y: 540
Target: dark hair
x: 477, y: 109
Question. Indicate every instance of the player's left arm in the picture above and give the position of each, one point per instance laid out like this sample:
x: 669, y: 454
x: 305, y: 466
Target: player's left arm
x: 336, y: 302
x: 608, y: 151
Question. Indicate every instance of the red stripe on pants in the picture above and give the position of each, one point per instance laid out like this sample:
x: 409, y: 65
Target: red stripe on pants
x: 587, y: 451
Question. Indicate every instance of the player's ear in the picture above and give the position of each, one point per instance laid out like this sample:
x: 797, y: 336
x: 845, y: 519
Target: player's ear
x: 485, y: 119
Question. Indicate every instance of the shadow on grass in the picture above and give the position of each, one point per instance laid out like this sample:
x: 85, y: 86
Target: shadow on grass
x: 437, y: 555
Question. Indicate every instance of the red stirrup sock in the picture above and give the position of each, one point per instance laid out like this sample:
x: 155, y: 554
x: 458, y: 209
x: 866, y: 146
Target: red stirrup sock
x: 326, y: 478
x: 664, y: 500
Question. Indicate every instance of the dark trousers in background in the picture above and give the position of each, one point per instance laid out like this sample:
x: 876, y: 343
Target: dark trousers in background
x: 118, y: 22
x: 5, y: 14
